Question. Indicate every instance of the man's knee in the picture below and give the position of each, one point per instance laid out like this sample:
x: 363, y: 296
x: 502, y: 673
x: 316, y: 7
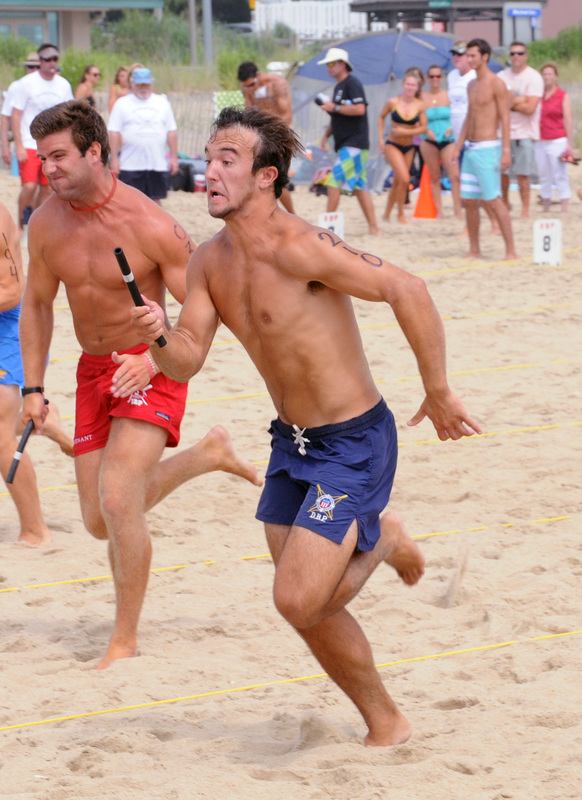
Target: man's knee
x: 94, y: 522
x: 294, y: 607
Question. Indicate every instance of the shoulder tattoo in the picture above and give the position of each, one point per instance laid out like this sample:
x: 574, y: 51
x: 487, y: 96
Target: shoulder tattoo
x: 369, y: 258
x: 181, y: 234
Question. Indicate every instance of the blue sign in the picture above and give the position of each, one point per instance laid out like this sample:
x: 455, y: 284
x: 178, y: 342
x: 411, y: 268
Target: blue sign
x: 524, y: 12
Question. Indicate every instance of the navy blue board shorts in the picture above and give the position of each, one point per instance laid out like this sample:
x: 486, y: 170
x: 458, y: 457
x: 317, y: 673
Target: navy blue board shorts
x: 323, y: 478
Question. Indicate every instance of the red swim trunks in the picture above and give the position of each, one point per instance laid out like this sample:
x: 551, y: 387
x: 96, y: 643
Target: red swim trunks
x: 161, y: 403
x: 31, y: 170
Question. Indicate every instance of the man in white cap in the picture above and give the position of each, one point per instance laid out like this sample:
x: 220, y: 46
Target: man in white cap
x: 141, y: 124
x: 41, y: 89
x: 349, y: 127
x: 31, y: 64
x: 457, y: 81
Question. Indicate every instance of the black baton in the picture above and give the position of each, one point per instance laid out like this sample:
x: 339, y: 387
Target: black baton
x: 19, y: 450
x: 132, y: 285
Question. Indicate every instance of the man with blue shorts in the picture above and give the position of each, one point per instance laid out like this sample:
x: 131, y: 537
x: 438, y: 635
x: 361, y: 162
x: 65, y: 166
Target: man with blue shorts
x: 23, y: 489
x: 485, y: 156
x: 282, y: 287
x: 348, y: 124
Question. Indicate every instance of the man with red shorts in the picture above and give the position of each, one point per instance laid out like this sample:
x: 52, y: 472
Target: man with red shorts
x: 35, y: 92
x: 127, y: 412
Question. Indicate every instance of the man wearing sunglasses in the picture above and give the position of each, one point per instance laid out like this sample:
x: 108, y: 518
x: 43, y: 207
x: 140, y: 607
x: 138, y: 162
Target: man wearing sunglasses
x: 39, y: 90
x: 525, y: 88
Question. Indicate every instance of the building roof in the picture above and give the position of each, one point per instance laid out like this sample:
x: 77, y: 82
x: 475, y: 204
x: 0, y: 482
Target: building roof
x: 416, y: 10
x: 77, y: 5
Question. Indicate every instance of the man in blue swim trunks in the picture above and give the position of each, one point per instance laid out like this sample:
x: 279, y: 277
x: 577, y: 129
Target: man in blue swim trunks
x: 34, y: 531
x: 282, y: 287
x: 485, y: 154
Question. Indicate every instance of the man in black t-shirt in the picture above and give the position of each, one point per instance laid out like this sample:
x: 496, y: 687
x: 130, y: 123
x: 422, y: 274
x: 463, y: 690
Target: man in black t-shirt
x: 349, y: 127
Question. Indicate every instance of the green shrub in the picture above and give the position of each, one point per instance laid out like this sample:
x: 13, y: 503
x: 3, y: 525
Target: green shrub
x: 565, y: 46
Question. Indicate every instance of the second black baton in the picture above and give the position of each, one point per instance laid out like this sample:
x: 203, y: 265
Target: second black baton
x: 132, y: 285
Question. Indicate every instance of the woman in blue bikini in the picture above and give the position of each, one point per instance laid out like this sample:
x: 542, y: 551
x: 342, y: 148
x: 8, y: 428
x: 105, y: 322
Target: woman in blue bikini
x: 438, y: 143
x: 408, y: 119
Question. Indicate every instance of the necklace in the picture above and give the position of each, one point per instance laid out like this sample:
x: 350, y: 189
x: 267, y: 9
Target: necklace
x: 99, y: 205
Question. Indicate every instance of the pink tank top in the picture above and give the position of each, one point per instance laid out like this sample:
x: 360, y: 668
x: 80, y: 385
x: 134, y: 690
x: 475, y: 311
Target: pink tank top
x: 552, y: 118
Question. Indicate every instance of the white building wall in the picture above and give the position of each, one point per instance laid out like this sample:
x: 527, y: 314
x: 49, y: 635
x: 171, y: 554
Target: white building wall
x: 313, y: 19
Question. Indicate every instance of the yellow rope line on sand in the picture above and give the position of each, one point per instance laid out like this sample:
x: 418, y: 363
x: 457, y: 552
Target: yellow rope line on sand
x: 218, y: 692
x: 176, y: 567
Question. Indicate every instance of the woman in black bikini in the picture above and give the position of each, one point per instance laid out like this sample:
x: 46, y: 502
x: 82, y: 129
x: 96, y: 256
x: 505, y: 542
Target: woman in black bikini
x: 86, y: 88
x: 408, y: 119
x: 438, y: 144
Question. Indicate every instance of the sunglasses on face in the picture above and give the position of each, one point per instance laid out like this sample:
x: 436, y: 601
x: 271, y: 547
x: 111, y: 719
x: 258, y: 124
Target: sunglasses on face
x: 50, y: 58
x: 251, y: 84
x: 32, y: 66
x: 435, y: 76
x: 517, y: 53
x: 96, y: 74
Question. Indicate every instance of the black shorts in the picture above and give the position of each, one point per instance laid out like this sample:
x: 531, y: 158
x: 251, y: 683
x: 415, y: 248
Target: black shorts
x: 152, y: 183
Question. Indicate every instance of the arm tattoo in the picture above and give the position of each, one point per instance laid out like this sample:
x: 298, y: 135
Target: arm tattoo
x: 181, y: 234
x: 10, y: 258
x: 369, y: 258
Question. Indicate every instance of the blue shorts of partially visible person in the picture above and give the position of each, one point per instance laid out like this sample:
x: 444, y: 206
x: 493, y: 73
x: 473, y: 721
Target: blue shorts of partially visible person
x: 152, y: 183
x: 345, y: 474
x: 349, y: 171
x: 523, y: 157
x: 481, y: 171
x: 10, y: 360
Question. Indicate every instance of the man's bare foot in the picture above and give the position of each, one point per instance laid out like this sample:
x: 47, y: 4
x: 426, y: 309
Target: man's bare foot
x: 387, y: 218
x: 511, y: 256
x: 402, y: 219
x: 374, y: 231
x: 223, y: 456
x: 463, y: 234
x: 495, y: 230
x: 474, y: 254
x: 116, y: 652
x: 35, y: 538
x: 54, y: 430
x: 401, y: 551
x: 398, y: 732
x: 525, y: 213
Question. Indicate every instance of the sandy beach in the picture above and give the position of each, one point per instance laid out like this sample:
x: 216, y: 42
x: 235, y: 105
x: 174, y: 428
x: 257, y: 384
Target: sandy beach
x: 484, y: 655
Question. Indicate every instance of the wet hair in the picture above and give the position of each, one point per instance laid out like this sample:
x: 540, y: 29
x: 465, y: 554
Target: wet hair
x: 415, y: 72
x: 85, y: 123
x: 550, y: 65
x: 246, y: 70
x: 483, y: 46
x: 47, y: 46
x: 276, y: 145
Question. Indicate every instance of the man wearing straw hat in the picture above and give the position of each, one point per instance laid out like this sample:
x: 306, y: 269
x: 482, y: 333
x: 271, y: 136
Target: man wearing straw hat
x: 349, y: 126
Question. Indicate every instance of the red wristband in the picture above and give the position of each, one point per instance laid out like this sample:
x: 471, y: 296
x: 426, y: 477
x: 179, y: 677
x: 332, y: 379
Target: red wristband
x: 150, y: 364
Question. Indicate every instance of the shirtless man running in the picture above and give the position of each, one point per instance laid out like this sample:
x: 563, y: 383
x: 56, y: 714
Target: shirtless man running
x: 485, y: 156
x: 271, y: 94
x: 118, y: 442
x: 282, y: 287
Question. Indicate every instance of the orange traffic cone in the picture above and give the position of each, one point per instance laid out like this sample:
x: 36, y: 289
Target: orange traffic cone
x: 425, y: 207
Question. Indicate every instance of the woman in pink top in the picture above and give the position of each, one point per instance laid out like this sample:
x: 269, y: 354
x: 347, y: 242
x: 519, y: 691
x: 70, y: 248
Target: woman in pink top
x: 554, y: 148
